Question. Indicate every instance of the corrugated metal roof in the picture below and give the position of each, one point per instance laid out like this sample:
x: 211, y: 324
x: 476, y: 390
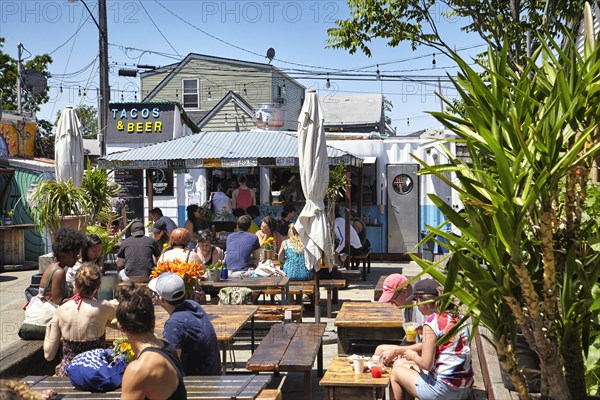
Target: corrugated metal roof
x: 236, y: 145
x: 352, y: 110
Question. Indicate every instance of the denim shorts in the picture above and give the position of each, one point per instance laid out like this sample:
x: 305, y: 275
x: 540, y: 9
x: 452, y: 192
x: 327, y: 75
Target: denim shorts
x: 428, y: 388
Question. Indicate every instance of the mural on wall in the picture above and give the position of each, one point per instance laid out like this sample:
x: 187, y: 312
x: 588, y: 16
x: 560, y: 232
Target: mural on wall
x: 9, y: 138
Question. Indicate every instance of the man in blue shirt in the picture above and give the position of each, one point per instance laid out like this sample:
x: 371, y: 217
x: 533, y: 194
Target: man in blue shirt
x: 240, y: 246
x: 188, y: 328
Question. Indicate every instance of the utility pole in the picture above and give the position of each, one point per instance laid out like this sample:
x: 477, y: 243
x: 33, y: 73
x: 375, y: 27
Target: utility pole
x: 104, y: 85
x: 19, y: 78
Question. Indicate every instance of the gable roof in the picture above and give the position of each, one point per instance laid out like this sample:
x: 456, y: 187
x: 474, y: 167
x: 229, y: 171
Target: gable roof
x: 174, y: 69
x: 231, y: 96
x: 352, y: 109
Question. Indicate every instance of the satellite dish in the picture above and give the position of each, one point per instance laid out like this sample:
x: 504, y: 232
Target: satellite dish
x: 34, y: 81
x: 271, y: 54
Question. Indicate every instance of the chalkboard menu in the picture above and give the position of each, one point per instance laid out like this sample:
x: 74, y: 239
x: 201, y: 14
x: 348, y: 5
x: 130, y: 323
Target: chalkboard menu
x: 162, y: 182
x: 132, y: 183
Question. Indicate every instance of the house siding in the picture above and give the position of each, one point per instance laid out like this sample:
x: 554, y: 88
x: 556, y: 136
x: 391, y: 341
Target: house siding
x: 148, y: 83
x: 238, y: 120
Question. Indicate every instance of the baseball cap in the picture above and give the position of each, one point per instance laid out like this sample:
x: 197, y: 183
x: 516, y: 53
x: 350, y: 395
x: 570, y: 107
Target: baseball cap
x: 424, y: 286
x: 159, y: 226
x: 390, y: 284
x: 169, y: 286
x: 137, y: 229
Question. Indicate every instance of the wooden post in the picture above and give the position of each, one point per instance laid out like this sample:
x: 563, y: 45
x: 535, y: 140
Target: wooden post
x: 347, y: 217
x: 149, y: 190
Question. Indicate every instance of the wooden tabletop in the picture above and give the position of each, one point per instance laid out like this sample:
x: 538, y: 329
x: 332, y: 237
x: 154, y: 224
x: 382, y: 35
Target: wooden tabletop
x: 341, y: 373
x: 227, y: 320
x: 237, y: 387
x: 288, y: 347
x: 372, y: 315
x: 252, y: 283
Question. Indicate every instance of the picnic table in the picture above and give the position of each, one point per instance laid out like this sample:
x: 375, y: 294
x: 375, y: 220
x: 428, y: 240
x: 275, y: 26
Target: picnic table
x: 291, y: 348
x: 236, y: 387
x: 341, y: 382
x: 261, y: 283
x: 368, y: 322
x: 227, y: 320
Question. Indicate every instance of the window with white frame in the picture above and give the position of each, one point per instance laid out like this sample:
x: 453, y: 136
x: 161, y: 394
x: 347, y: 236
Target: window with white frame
x: 191, y: 93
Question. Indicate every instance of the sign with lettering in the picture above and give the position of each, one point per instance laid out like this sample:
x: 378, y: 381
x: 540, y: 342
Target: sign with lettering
x: 162, y: 182
x: 132, y: 194
x: 140, y: 122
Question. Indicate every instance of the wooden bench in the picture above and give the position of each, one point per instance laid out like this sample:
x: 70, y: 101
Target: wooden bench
x: 240, y: 387
x: 273, y: 312
x: 24, y: 356
x: 300, y: 288
x: 290, y: 348
x: 269, y: 394
x: 365, y: 259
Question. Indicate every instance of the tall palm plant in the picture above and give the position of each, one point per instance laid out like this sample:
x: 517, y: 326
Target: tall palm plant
x: 101, y: 191
x: 525, y: 258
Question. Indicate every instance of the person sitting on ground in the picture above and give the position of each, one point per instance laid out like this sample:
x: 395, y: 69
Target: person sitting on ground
x: 137, y: 255
x: 188, y: 328
x: 268, y: 228
x: 157, y: 372
x: 396, y: 290
x: 65, y: 248
x: 160, y: 234
x: 221, y: 204
x: 208, y: 253
x: 178, y: 248
x: 291, y: 254
x: 243, y: 197
x: 156, y: 214
x: 91, y: 251
x: 80, y: 322
x: 424, y: 370
x: 240, y: 246
x: 195, y: 220
x: 238, y: 212
x: 254, y: 213
x: 288, y: 214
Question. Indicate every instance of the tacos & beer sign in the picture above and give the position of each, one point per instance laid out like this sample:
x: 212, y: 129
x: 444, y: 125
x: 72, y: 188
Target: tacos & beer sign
x: 140, y: 122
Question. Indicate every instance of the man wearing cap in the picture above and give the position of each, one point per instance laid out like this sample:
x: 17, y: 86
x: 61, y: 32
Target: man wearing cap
x: 156, y: 214
x: 396, y: 290
x: 137, y: 255
x: 188, y: 327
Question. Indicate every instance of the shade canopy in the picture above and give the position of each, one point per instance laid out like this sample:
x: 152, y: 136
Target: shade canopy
x: 314, y: 175
x: 68, y: 148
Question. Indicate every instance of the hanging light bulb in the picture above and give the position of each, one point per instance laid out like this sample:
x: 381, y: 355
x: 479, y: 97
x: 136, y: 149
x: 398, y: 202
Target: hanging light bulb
x: 378, y: 74
x: 84, y: 92
x: 407, y: 121
x: 176, y: 93
x: 226, y: 120
x: 327, y: 83
x: 79, y: 91
x: 283, y: 89
x: 135, y: 96
x: 122, y: 97
x: 61, y: 88
x: 209, y: 96
x: 433, y: 61
x: 245, y: 91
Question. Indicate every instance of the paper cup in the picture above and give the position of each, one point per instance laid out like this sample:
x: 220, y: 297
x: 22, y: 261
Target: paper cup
x: 359, y: 365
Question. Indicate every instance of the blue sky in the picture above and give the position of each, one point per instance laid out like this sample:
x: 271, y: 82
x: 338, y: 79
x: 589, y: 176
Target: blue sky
x: 154, y: 33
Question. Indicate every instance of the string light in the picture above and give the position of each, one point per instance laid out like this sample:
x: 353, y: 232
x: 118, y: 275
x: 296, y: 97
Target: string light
x: 122, y: 97
x: 245, y: 91
x: 61, y: 89
x: 79, y: 91
x: 327, y: 83
x: 176, y: 93
x: 283, y: 89
x: 135, y: 96
x: 433, y: 61
x: 378, y: 74
x: 407, y: 121
x: 209, y: 96
x: 226, y: 120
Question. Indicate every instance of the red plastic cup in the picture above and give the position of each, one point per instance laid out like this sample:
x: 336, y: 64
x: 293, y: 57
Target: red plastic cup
x: 376, y: 371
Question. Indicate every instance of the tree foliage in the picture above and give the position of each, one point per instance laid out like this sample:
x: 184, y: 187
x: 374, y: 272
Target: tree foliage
x: 416, y: 22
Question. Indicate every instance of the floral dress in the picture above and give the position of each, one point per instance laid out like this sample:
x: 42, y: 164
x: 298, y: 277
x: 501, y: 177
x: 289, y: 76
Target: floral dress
x: 294, y: 266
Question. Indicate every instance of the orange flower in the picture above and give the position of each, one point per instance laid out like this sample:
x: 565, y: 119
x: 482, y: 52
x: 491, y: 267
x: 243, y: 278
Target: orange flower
x: 189, y: 271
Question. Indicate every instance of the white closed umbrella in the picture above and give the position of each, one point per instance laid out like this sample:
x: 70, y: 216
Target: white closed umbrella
x: 68, y: 148
x: 314, y: 176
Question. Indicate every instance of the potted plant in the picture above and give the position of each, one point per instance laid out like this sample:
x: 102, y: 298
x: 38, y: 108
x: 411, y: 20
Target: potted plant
x: 8, y: 214
x: 55, y: 204
x: 101, y: 191
x: 268, y: 247
x: 526, y: 258
x: 213, y: 271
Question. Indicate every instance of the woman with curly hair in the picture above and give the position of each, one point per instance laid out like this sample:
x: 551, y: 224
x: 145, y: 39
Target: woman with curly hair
x: 91, y: 251
x: 291, y: 254
x: 157, y: 372
x: 79, y: 323
x: 65, y: 248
